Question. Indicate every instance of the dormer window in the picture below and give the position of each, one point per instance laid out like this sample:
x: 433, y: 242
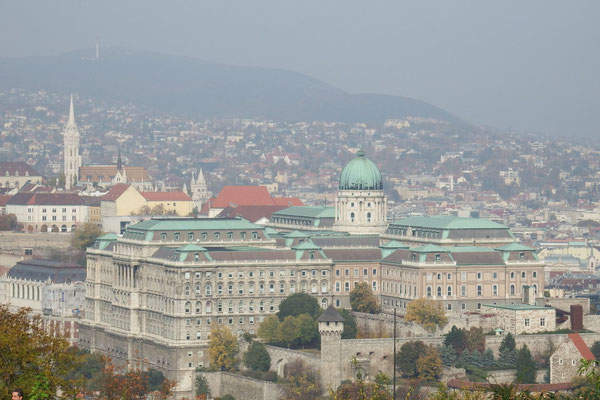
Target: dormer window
x: 191, y: 236
x: 437, y: 257
x: 163, y: 236
x: 521, y: 256
x: 254, y: 235
x: 177, y: 235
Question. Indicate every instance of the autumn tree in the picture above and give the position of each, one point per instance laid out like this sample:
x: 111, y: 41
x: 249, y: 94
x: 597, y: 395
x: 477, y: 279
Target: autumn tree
x: 257, y: 357
x: 426, y: 313
x: 132, y: 383
x: 289, y: 330
x: 298, y: 304
x: 302, y: 382
x: 308, y: 329
x: 349, y: 331
x: 363, y: 300
x: 32, y: 357
x: 222, y: 348
x: 406, y: 358
x: 85, y: 237
x: 475, y: 339
x: 269, y: 329
x: 429, y: 364
x: 8, y: 222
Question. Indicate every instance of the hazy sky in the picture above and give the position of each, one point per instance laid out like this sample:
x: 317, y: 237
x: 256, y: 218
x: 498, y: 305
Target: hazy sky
x: 532, y: 65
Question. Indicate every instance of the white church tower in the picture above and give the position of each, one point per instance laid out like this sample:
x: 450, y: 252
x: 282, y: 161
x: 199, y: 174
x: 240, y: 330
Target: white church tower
x: 198, y: 190
x: 72, y: 159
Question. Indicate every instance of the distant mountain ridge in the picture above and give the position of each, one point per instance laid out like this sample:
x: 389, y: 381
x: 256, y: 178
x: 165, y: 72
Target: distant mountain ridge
x: 206, y: 89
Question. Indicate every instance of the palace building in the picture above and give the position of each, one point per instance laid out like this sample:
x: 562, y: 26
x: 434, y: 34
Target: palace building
x: 154, y: 293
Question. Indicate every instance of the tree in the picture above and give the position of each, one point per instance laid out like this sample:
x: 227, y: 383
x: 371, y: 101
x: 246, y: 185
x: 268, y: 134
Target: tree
x: 596, y: 349
x: 269, y: 329
x: 457, y: 339
x: 525, y: 366
x: 222, y: 348
x: 297, y: 304
x: 302, y: 382
x: 487, y: 359
x: 289, y: 330
x: 507, y: 351
x: 133, y: 384
x: 475, y: 339
x: 429, y: 364
x: 363, y: 300
x: 406, y: 358
x: 257, y: 357
x: 349, y: 331
x: 32, y: 357
x: 85, y: 237
x: 448, y: 355
x: 8, y: 222
x: 426, y: 313
x: 202, y: 388
x: 308, y: 328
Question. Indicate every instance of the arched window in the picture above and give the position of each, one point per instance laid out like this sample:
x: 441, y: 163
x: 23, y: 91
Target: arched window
x: 251, y: 306
x: 187, y: 290
x: 208, y: 307
x: 351, y: 217
x: 439, y: 290
x: 512, y: 290
x: 324, y: 303
x: 428, y: 291
x: 198, y: 307
x: 368, y: 217
x: 323, y: 286
x: 241, y: 306
x: 208, y: 290
x: 197, y: 291
x: 188, y: 307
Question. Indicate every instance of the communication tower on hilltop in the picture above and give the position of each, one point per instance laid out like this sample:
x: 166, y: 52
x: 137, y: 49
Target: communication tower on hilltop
x: 97, y: 47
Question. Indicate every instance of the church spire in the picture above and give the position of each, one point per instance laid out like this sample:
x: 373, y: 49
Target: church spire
x: 119, y: 160
x: 71, y: 114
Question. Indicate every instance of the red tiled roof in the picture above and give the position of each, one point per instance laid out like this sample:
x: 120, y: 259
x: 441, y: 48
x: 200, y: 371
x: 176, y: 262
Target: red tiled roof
x: 288, y: 201
x: 166, y: 196
x: 581, y: 346
x: 3, y: 200
x: 243, y: 196
x: 17, y: 166
x: 251, y: 213
x: 46, y: 199
x: 115, y: 192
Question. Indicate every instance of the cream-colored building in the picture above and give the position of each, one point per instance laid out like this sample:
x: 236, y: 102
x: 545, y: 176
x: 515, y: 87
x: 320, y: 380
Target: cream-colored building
x: 17, y: 174
x: 122, y: 199
x: 172, y: 202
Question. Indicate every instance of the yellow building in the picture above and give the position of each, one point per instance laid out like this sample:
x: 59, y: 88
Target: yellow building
x: 122, y: 199
x: 177, y: 202
x: 94, y: 209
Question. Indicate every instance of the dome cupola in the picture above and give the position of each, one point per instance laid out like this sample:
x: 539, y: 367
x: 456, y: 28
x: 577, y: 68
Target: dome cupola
x: 361, y: 174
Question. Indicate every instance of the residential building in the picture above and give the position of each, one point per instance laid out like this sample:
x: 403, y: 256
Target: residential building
x: 48, y: 212
x: 17, y: 174
x: 566, y: 359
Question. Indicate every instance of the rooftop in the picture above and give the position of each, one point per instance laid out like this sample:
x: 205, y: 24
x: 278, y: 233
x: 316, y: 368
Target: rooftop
x: 449, y: 222
x: 517, y: 307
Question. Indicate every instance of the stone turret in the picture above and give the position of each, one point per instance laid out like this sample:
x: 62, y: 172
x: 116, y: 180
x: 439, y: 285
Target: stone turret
x: 331, y: 326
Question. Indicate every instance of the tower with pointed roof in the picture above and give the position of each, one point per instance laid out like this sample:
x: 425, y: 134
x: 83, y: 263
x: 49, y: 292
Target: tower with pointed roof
x: 361, y: 205
x: 199, y: 191
x: 72, y: 159
x: 331, y: 327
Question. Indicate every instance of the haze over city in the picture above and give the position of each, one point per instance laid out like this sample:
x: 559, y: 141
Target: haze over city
x: 528, y: 66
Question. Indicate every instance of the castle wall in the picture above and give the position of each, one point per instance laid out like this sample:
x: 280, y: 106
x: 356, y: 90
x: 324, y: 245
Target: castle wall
x: 241, y: 387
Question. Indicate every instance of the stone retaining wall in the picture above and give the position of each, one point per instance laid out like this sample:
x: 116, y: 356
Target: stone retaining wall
x: 241, y: 387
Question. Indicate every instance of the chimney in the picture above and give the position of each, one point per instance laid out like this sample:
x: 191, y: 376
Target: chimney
x: 576, y: 317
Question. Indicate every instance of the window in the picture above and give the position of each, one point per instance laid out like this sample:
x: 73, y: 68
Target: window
x: 374, y: 271
x: 449, y: 307
x: 463, y: 276
x: 365, y: 272
x: 177, y: 235
x: 208, y: 290
x: 187, y: 290
x: 479, y: 290
x: 437, y: 257
x: 494, y: 275
x: 449, y: 290
x: 191, y: 236
x: 428, y: 291
x: 521, y: 256
x: 495, y: 290
x: 337, y: 286
x: 217, y: 235
x: 512, y: 275
x: 204, y: 236
x: 439, y: 290
x: 219, y: 289
x: 374, y: 286
x: 229, y: 235
x: 337, y: 272
x: 346, y: 286
x: 352, y: 217
x: 534, y: 274
x: 463, y: 306
x: 523, y: 275
x: 479, y: 276
x: 463, y: 290
x: 512, y: 290
x: 347, y: 272
x: 188, y: 307
x: 254, y: 235
x: 449, y: 276
x: 526, y: 321
x: 230, y: 289
x: 542, y: 321
x: 163, y: 236
x: 186, y: 275
x: 439, y: 277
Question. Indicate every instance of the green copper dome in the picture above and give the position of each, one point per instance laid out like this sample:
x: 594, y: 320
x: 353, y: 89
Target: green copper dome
x: 361, y: 174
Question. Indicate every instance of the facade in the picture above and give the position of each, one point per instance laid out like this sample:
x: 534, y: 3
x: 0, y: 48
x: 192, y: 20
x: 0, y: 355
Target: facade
x: 106, y: 176
x: 522, y: 318
x: 155, y: 293
x: 72, y: 159
x: 52, y: 289
x: 462, y: 278
x: 565, y: 361
x: 17, y: 174
x: 48, y: 212
x: 172, y: 202
x: 360, y: 205
x: 304, y: 218
x: 121, y: 200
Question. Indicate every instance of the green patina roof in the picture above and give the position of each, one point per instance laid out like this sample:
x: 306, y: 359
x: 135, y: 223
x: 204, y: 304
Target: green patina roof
x: 517, y: 307
x: 191, y: 248
x: 295, y: 234
x: 448, y: 222
x: 107, y: 236
x: 104, y: 240
x: 430, y: 248
x: 176, y: 224
x: 270, y: 231
x: 361, y: 174
x: 307, y: 211
x: 306, y: 245
x: 394, y: 244
x: 514, y: 247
